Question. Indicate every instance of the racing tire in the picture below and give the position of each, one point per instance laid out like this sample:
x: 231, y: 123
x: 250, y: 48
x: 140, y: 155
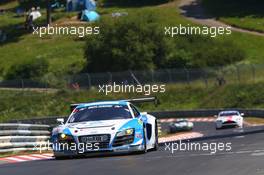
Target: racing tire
x: 145, y: 143
x: 145, y: 140
x: 240, y: 126
x: 60, y: 158
x: 217, y: 128
x: 156, y: 147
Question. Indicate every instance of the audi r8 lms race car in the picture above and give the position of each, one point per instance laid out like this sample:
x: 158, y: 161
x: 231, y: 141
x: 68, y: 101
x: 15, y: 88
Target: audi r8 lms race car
x: 108, y: 126
x: 229, y: 118
x: 180, y: 125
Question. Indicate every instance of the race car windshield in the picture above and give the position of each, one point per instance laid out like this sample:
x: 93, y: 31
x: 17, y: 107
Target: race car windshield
x: 228, y: 114
x: 100, y: 112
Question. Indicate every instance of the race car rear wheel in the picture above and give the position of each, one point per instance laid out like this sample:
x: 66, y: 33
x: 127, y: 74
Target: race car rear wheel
x: 156, y: 147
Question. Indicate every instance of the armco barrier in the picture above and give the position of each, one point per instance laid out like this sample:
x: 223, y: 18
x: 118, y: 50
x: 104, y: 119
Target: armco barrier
x: 21, y: 137
x: 50, y: 121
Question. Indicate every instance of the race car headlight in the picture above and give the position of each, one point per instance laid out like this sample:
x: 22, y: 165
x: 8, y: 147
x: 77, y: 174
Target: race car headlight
x: 126, y: 132
x: 65, y: 137
x: 190, y: 124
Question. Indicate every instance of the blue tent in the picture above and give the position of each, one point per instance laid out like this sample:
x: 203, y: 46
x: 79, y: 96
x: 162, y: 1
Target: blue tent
x: 75, y: 5
x: 89, y: 15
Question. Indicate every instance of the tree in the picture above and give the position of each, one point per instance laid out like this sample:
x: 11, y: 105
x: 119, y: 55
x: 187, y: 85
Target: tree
x: 48, y: 12
x: 129, y: 43
x: 29, y: 70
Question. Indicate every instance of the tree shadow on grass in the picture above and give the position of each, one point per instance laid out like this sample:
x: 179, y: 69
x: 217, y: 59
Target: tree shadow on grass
x: 133, y: 3
x: 15, y: 32
x: 3, y: 2
x: 12, y: 31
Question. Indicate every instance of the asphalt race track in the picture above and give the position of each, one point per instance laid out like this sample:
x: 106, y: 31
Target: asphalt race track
x: 245, y: 158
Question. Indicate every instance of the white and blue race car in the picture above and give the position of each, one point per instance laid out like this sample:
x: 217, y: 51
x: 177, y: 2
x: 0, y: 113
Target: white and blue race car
x: 108, y: 126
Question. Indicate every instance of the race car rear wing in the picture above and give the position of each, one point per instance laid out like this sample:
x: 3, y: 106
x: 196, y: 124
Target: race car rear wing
x: 132, y: 100
x: 143, y: 100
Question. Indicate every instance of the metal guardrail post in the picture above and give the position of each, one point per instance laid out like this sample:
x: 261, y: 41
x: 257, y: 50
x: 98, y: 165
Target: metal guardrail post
x: 89, y: 80
x: 187, y: 75
x: 253, y: 73
x: 22, y: 83
x: 206, y: 82
x: 110, y: 77
x: 238, y: 73
x: 169, y: 73
x: 152, y: 76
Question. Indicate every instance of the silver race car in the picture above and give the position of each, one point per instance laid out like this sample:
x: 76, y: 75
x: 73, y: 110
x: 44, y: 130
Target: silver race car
x: 180, y: 125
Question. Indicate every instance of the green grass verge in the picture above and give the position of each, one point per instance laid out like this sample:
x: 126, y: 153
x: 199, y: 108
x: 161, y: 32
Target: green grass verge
x: 30, y: 104
x: 254, y: 120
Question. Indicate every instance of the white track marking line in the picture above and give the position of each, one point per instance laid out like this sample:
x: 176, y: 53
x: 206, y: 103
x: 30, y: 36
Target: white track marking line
x: 258, y: 154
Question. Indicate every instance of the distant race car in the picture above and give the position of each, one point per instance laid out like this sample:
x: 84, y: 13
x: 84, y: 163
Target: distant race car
x: 108, y: 126
x: 180, y: 125
x: 229, y: 118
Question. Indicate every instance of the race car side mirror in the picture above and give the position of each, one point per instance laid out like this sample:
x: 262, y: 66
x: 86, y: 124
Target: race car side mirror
x: 60, y: 121
x: 242, y: 114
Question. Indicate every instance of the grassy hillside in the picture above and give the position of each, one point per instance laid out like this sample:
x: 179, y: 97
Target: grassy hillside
x: 38, y: 104
x: 64, y: 51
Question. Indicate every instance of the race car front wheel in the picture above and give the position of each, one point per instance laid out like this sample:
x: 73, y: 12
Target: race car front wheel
x: 144, y: 150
